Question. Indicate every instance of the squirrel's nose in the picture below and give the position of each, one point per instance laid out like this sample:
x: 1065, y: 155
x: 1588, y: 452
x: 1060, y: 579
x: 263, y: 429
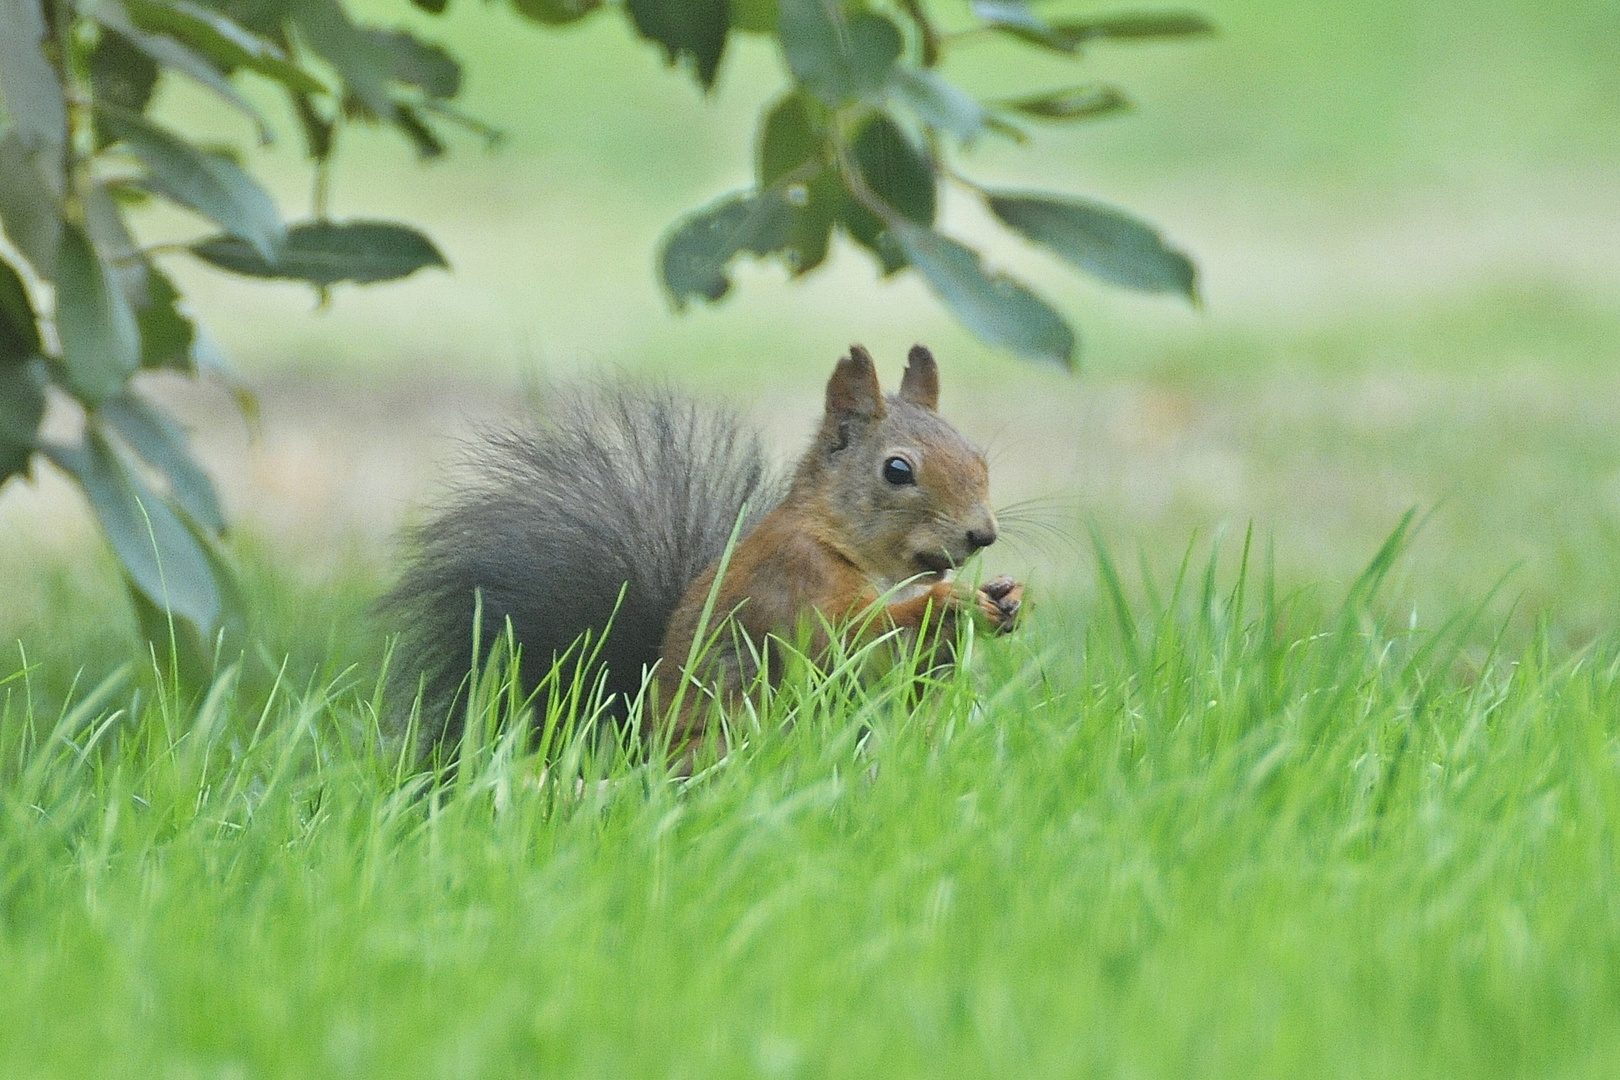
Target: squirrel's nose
x: 980, y: 538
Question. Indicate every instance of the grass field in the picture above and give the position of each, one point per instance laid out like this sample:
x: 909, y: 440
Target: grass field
x: 1243, y: 835
x: 1206, y: 815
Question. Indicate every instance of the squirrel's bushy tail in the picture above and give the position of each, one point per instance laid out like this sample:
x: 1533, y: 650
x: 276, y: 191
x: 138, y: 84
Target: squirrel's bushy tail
x: 614, y: 486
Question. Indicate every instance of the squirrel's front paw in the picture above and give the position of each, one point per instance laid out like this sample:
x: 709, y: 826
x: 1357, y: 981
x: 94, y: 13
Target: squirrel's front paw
x: 1001, y: 599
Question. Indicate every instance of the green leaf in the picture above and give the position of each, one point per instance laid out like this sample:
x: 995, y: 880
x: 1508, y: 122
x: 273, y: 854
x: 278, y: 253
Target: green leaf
x: 28, y: 203
x: 162, y: 445
x: 939, y: 103
x: 869, y: 231
x: 695, y: 29
x: 816, y: 207
x: 417, y: 63
x: 901, y: 177
x: 101, y: 345
x: 895, y: 170
x: 162, y: 557
x: 492, y: 136
x: 788, y: 139
x: 999, y: 310
x: 835, y: 57
x: 432, y: 7
x: 214, y: 186
x: 180, y: 648
x: 210, y: 32
x: 266, y: 19
x: 410, y: 123
x: 169, y: 53
x: 754, y: 16
x: 121, y: 75
x: 700, y: 248
x: 1010, y: 13
x: 556, y: 12
x: 22, y: 406
x: 1079, y: 103
x: 1102, y: 241
x: 14, y: 459
x: 29, y: 208
x: 167, y: 335
x: 325, y: 253
x: 28, y: 84
x: 19, y: 327
x: 362, y: 63
x: 207, y: 356
x: 110, y: 237
x: 1137, y: 26
x: 219, y: 39
x: 317, y: 129
x: 792, y: 155
x: 1017, y: 18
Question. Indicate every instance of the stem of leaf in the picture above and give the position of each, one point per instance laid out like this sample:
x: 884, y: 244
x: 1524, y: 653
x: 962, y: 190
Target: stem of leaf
x: 931, y: 38
x: 143, y: 254
x: 952, y: 174
x: 320, y: 196
x: 493, y: 136
x: 77, y: 109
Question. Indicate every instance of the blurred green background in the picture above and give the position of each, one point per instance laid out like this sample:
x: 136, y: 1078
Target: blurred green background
x: 1406, y: 217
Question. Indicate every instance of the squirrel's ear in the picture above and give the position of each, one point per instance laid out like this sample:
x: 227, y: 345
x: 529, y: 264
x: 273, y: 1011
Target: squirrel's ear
x: 853, y: 390
x: 921, y: 384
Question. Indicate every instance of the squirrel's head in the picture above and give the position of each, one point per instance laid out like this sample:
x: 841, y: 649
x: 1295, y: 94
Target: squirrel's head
x: 903, y: 491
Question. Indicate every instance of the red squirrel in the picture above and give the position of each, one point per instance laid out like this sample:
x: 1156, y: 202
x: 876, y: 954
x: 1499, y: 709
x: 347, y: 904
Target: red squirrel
x: 619, y: 506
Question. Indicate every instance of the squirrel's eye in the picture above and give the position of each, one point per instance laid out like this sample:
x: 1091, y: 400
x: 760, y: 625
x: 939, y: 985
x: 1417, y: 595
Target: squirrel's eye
x: 898, y: 471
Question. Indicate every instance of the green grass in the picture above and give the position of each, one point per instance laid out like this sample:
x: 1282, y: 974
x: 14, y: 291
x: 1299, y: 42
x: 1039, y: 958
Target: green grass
x: 1218, y: 833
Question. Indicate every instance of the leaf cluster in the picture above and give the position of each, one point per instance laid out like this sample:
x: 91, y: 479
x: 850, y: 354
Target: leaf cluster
x: 84, y: 308
x: 861, y: 145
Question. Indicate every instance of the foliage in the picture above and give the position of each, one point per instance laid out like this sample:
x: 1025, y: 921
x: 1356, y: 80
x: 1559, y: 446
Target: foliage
x: 78, y: 151
x: 859, y: 145
x: 1227, y: 833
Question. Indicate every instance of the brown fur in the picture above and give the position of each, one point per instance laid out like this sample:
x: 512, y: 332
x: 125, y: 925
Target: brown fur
x: 843, y: 536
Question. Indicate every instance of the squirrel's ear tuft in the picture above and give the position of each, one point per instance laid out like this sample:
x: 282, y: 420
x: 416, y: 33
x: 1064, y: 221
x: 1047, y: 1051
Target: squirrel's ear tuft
x: 853, y: 390
x: 921, y: 384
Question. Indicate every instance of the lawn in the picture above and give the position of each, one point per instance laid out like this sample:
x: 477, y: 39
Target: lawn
x: 1236, y: 834
x: 1252, y: 794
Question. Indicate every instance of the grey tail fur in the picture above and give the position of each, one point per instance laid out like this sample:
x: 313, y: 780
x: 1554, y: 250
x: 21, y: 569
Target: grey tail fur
x: 614, y: 487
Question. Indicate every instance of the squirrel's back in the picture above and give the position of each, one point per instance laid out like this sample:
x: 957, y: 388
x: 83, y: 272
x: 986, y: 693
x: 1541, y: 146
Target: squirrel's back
x: 615, y: 487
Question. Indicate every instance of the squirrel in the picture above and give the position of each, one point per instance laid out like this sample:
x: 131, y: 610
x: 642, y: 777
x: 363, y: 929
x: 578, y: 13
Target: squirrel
x: 614, y: 515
